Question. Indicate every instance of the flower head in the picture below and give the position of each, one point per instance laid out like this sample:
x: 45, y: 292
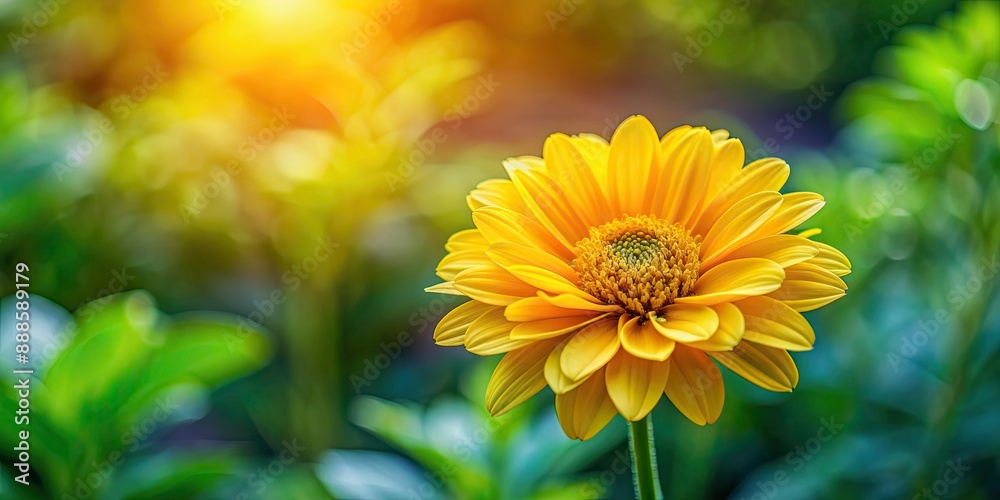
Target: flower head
x: 615, y: 273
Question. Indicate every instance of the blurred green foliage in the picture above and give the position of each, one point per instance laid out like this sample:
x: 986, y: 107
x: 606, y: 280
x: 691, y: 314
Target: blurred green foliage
x: 463, y: 452
x: 119, y: 375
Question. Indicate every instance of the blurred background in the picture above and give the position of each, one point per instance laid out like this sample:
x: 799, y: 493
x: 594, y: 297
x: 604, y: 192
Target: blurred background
x: 230, y: 209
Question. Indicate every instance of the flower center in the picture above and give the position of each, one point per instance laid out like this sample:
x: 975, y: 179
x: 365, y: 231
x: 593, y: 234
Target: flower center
x: 640, y: 263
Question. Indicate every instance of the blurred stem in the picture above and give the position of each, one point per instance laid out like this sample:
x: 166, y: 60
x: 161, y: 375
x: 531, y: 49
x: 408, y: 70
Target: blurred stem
x: 311, y: 322
x: 967, y: 329
x: 944, y: 425
x: 642, y: 450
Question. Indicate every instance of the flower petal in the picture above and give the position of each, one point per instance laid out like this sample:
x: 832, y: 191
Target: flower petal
x: 553, y: 327
x: 809, y: 233
x: 496, y: 193
x: 584, y: 411
x: 785, y: 249
x: 831, y: 259
x: 594, y: 150
x: 804, y: 296
x: 590, y: 348
x: 662, y: 174
x: 490, y: 334
x: 466, y: 239
x: 727, y: 163
x: 446, y: 288
x: 734, y: 280
x: 766, y: 174
x: 795, y: 209
x: 773, y: 323
x: 507, y: 254
x: 685, y: 322
x: 642, y: 340
x: 519, y: 376
x: 808, y: 286
x: 767, y: 367
x: 545, y: 307
x: 538, y: 308
x: 808, y: 271
x: 456, y: 262
x: 500, y: 225
x: 492, y: 285
x: 737, y: 224
x: 695, y: 386
x: 729, y: 333
x: 571, y: 170
x: 548, y: 203
x: 635, y: 148
x: 634, y: 384
x: 557, y: 380
x: 689, y: 164
x: 672, y: 138
x: 549, y: 281
x: 451, y: 329
x: 574, y: 301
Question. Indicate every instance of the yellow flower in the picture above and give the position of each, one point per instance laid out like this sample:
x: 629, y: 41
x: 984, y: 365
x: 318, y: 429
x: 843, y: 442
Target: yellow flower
x: 617, y: 273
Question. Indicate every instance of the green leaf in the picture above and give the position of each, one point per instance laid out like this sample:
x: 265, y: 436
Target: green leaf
x: 372, y: 474
x: 96, y: 373
x: 175, y: 474
x: 201, y: 349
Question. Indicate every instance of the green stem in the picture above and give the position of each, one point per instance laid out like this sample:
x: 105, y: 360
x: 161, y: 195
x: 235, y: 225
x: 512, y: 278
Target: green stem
x: 643, y: 454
